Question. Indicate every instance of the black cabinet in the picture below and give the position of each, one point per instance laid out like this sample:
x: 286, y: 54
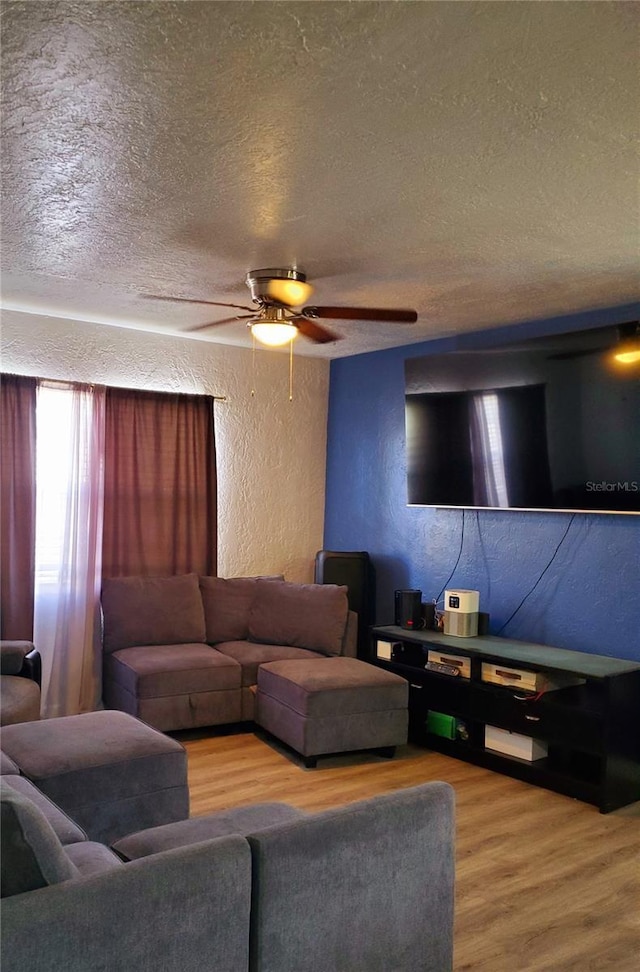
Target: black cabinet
x: 565, y: 720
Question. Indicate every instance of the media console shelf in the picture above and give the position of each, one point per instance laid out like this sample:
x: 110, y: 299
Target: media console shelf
x: 582, y: 710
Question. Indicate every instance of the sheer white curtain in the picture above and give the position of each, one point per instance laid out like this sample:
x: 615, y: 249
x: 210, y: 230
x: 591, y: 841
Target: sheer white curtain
x: 69, y: 511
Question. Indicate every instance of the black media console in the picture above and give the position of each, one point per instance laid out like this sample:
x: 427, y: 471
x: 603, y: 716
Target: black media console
x: 565, y: 720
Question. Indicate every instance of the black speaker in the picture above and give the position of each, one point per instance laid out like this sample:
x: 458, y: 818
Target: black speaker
x: 408, y: 609
x: 354, y: 570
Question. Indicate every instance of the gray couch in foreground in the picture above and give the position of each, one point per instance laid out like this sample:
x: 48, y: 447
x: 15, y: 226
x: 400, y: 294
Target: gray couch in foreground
x: 362, y: 888
x: 184, y: 651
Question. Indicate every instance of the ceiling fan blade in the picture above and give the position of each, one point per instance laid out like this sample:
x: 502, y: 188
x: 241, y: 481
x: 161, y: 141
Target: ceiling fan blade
x: 313, y: 331
x: 193, y: 300
x: 224, y: 320
x: 361, y: 314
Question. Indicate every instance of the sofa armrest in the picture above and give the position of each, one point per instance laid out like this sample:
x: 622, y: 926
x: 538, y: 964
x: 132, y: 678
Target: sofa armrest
x: 350, y: 640
x: 32, y: 667
x: 184, y: 909
x: 13, y: 655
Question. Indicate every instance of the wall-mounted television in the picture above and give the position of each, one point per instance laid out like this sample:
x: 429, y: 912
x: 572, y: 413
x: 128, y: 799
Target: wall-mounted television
x: 550, y: 423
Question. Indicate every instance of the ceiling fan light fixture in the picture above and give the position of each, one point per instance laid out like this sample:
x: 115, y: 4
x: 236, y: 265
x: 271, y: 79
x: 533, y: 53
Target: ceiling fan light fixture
x: 293, y: 293
x: 275, y: 334
x: 280, y: 285
x: 629, y: 354
x: 627, y: 351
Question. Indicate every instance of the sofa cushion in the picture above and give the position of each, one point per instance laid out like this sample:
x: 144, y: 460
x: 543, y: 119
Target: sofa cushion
x: 227, y: 602
x: 368, y: 887
x: 152, y: 671
x: 90, y: 857
x: 152, y: 611
x: 251, y: 655
x: 238, y: 820
x: 32, y: 856
x: 19, y: 700
x: 310, y: 616
x: 332, y: 687
x: 65, y: 829
x: 7, y: 766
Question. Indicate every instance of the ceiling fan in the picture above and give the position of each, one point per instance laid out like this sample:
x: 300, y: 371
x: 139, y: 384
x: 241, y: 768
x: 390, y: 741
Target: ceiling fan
x: 279, y: 295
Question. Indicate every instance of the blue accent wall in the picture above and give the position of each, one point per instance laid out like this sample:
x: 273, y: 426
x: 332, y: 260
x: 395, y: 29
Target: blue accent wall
x: 589, y: 598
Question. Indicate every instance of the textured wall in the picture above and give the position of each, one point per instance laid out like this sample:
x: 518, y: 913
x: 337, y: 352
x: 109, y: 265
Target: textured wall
x: 588, y: 599
x: 271, y: 452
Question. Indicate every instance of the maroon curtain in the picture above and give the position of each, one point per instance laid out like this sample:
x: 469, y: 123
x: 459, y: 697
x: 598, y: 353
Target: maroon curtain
x: 160, y: 514
x: 17, y: 505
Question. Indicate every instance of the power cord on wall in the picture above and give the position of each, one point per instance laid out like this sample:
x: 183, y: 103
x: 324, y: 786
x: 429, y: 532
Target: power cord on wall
x: 529, y: 593
x: 437, y: 599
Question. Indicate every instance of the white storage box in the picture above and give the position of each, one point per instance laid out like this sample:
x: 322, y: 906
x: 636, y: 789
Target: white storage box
x: 513, y: 744
x: 513, y: 677
x: 383, y: 649
x: 527, y: 681
x: 444, y: 657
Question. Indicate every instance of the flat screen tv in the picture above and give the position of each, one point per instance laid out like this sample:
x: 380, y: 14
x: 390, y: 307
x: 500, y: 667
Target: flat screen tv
x: 546, y: 424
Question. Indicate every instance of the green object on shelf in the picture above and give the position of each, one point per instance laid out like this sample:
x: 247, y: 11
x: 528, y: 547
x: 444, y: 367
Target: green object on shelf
x: 441, y: 724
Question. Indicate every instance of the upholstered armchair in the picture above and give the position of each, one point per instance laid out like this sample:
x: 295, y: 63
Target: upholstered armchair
x: 20, y: 680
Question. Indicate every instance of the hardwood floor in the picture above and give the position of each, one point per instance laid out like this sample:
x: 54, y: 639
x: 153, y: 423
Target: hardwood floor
x: 543, y: 884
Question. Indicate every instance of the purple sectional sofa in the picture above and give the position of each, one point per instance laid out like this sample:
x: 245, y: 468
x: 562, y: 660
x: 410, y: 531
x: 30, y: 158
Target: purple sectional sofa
x: 184, y: 651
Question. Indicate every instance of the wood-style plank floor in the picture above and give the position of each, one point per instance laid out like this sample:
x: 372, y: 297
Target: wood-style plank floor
x: 543, y: 883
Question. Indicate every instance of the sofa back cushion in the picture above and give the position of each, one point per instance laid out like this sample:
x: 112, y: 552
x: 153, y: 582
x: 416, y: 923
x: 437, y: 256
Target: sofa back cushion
x: 31, y: 854
x: 313, y: 866
x: 312, y: 616
x: 227, y: 602
x: 151, y: 611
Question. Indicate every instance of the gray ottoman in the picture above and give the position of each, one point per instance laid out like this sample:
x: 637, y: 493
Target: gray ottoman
x: 332, y: 705
x: 110, y: 772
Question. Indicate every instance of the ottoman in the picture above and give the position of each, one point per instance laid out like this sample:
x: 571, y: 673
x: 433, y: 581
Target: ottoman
x: 332, y: 705
x: 110, y: 772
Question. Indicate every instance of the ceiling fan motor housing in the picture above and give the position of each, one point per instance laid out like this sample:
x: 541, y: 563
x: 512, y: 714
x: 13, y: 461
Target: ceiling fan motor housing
x: 258, y: 282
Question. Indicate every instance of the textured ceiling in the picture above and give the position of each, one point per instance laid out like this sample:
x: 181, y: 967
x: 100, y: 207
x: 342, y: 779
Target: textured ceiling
x: 474, y: 161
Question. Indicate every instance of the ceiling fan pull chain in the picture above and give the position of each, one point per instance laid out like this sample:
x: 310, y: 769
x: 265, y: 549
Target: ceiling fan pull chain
x: 253, y: 365
x: 291, y: 371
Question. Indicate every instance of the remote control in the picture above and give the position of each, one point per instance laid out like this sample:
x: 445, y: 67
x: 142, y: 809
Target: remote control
x: 441, y: 669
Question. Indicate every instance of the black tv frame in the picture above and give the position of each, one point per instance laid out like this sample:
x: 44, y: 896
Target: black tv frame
x: 589, y: 407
